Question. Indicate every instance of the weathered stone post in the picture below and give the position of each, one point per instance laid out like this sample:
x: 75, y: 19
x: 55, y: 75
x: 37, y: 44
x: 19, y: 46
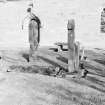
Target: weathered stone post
x: 71, y: 41
x: 77, y: 53
x: 82, y: 53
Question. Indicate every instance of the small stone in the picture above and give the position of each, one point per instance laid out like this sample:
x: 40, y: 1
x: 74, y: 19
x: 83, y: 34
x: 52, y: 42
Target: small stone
x: 8, y: 70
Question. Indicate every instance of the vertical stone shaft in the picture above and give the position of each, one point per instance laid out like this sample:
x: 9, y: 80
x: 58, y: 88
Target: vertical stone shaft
x: 76, y: 57
x: 71, y: 41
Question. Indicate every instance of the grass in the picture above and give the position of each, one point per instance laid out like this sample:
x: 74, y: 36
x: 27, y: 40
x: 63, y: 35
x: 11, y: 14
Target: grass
x: 59, y: 91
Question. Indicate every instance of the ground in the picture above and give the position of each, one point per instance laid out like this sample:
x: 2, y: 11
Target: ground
x: 20, y: 84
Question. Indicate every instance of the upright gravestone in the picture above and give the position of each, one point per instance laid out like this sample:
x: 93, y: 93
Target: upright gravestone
x: 71, y: 41
x: 76, y: 57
